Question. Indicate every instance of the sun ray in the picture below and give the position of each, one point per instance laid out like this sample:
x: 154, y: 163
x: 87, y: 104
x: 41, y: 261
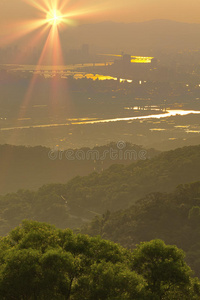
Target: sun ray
x: 27, y: 97
x: 21, y: 29
x: 54, y: 56
x: 32, y: 41
x: 46, y: 29
x: 50, y: 17
x: 44, y: 7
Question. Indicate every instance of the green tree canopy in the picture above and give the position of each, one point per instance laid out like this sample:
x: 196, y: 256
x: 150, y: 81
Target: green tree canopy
x: 164, y: 269
x: 40, y: 262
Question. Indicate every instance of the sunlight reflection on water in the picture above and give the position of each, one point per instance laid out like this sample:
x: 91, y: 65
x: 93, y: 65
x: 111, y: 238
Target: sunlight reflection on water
x: 169, y: 113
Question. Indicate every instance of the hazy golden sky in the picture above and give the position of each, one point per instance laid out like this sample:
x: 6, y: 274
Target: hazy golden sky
x: 114, y: 10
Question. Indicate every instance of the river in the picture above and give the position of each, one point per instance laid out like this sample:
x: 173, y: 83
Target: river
x: 168, y: 114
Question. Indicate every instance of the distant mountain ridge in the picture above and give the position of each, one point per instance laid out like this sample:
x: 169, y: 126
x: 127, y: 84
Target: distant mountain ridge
x: 174, y: 217
x: 155, y: 34
x: 31, y: 167
x: 136, y: 38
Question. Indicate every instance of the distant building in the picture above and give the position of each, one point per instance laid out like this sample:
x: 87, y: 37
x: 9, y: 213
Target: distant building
x: 126, y: 58
x: 85, y: 50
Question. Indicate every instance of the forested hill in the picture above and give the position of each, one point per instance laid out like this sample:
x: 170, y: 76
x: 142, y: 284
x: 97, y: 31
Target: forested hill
x: 174, y: 218
x: 31, y: 167
x: 118, y: 187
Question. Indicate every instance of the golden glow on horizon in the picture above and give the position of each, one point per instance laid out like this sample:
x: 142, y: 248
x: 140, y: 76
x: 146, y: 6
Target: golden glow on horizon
x: 133, y: 59
x: 141, y: 60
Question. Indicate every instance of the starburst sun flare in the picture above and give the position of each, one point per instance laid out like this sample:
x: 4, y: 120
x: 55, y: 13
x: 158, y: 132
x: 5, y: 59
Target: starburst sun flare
x: 49, y: 18
x: 54, y: 17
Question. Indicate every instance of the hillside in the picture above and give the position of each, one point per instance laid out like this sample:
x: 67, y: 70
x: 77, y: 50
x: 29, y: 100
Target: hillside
x: 118, y: 187
x: 172, y: 217
x: 31, y: 167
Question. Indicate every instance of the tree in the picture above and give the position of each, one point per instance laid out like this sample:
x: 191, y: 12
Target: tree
x: 110, y: 281
x: 20, y: 274
x: 194, y: 216
x: 164, y: 269
x: 41, y: 262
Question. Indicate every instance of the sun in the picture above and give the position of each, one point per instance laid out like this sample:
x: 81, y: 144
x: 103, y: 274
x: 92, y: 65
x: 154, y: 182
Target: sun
x: 54, y: 17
